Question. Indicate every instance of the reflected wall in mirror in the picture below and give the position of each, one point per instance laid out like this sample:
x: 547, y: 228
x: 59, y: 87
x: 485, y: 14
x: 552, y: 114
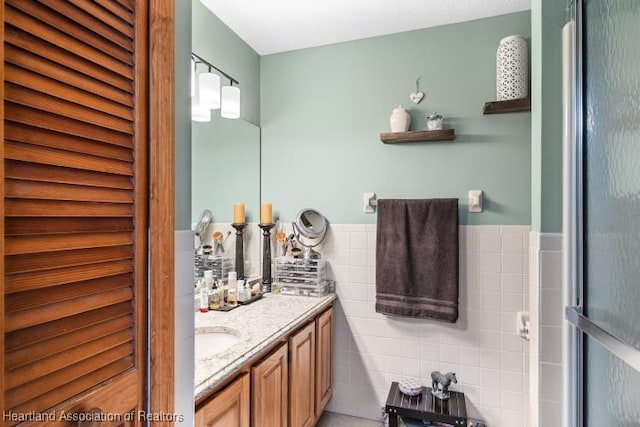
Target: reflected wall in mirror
x: 225, y: 168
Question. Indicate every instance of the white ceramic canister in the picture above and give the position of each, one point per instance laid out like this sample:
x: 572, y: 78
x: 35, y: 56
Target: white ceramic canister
x: 512, y: 69
x: 400, y: 120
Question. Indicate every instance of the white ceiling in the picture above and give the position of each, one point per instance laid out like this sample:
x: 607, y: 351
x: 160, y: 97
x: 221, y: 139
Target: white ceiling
x: 272, y: 26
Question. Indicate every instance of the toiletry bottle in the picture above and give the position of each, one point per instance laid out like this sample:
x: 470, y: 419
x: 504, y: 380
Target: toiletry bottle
x: 232, y: 289
x: 231, y: 281
x: 239, y: 288
x: 223, y: 292
x: 247, y: 290
x: 208, y: 279
x: 232, y: 297
x: 214, y: 296
x: 204, y: 300
x: 242, y: 296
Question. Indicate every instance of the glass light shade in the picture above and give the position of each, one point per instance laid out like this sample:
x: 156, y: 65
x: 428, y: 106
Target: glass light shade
x: 199, y: 112
x: 209, y: 90
x: 230, y: 102
x: 193, y: 78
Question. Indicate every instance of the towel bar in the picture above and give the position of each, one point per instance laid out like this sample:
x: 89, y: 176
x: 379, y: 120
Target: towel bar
x: 370, y: 203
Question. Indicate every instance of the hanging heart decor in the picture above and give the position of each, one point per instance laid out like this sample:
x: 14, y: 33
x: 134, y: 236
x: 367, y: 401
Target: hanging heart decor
x: 416, y: 97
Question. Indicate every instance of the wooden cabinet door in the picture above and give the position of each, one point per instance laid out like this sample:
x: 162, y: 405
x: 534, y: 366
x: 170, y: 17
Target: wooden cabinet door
x: 74, y: 211
x: 269, y: 385
x: 229, y: 408
x: 302, y: 377
x: 324, y: 360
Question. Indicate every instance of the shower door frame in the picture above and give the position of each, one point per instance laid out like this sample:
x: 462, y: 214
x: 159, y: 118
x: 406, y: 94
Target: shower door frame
x: 573, y: 225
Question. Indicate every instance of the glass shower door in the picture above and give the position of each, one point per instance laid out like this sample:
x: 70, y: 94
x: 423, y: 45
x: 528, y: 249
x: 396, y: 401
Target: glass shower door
x: 609, y: 249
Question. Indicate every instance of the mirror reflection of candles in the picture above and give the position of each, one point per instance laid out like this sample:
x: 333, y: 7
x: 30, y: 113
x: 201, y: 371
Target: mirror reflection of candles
x: 266, y: 213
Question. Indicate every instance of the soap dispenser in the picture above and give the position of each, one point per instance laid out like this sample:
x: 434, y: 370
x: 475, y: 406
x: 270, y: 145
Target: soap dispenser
x: 244, y: 293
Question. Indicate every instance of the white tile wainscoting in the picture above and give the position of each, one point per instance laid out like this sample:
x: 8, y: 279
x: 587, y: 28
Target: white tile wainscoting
x: 545, y: 305
x: 491, y: 361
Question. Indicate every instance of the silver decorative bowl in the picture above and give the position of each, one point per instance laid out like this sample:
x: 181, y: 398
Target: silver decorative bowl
x: 410, y: 387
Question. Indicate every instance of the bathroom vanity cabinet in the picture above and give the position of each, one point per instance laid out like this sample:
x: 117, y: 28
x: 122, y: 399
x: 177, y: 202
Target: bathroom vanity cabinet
x: 289, y: 386
x: 229, y: 408
x: 302, y: 377
x: 269, y: 379
x: 324, y: 360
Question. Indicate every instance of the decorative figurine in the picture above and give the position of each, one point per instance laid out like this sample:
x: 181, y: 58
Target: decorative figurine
x: 434, y: 122
x: 440, y: 384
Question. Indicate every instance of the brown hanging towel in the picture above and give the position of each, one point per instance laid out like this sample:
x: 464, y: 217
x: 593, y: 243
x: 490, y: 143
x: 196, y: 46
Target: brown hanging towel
x: 417, y: 252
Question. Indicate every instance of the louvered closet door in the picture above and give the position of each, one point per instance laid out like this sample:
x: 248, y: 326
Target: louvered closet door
x: 75, y: 168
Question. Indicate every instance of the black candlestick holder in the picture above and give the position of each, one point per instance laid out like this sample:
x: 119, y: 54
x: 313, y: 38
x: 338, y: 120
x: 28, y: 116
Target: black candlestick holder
x: 266, y: 256
x: 239, y: 248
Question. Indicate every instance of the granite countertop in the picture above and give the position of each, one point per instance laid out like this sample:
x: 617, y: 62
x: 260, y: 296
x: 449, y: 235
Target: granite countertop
x: 260, y: 324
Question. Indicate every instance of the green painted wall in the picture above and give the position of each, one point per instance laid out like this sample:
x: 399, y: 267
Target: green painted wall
x: 547, y: 19
x: 215, y: 42
x: 182, y: 116
x: 322, y: 110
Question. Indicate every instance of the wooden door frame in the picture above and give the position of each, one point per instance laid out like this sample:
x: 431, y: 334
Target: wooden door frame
x: 2, y: 207
x: 161, y: 207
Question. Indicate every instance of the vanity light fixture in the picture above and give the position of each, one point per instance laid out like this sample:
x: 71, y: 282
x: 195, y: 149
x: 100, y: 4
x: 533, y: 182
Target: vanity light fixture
x: 199, y: 112
x: 209, y: 85
x: 206, y: 94
x: 230, y: 102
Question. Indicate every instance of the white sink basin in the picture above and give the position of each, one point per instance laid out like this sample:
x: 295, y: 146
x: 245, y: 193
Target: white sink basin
x: 210, y: 341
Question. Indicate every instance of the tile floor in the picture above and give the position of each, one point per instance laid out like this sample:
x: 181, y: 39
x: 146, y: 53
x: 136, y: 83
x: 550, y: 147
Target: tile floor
x: 330, y: 419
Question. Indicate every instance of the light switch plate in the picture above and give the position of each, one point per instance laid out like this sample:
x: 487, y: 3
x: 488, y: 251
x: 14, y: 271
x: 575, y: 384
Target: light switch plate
x: 475, y: 200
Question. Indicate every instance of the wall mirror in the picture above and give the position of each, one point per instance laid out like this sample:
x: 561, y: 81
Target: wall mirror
x: 225, y: 168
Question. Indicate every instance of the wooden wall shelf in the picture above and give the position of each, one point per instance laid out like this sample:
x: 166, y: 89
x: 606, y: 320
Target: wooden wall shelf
x: 511, y: 106
x: 417, y: 136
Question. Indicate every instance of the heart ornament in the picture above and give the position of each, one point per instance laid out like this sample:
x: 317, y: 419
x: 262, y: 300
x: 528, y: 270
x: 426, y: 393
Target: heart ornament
x: 416, y: 97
